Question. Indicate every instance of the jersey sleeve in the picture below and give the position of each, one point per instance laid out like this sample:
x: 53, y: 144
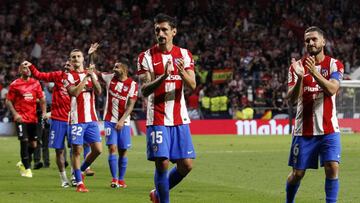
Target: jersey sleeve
x: 188, y: 61
x: 47, y: 77
x: 11, y: 94
x: 68, y: 80
x: 337, y: 70
x: 133, y: 94
x: 142, y: 64
x: 292, y: 77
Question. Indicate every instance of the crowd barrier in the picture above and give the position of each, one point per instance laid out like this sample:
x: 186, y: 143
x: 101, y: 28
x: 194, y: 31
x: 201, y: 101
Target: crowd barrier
x: 220, y: 127
x: 249, y: 127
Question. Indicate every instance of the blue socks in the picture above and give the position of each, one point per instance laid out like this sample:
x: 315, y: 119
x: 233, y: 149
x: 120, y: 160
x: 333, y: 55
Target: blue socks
x: 174, y: 177
x: 86, y: 150
x: 162, y: 185
x: 331, y: 190
x: 84, y: 166
x: 77, y: 174
x: 291, y: 192
x: 112, y: 159
x: 122, y: 164
x: 164, y: 182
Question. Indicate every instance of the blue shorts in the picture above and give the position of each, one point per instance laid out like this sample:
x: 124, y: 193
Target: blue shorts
x: 85, y: 133
x: 58, y: 131
x: 171, y: 142
x: 305, y: 151
x: 121, y: 138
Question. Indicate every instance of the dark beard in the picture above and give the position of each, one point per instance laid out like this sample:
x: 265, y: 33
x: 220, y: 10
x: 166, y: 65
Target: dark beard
x: 316, y: 52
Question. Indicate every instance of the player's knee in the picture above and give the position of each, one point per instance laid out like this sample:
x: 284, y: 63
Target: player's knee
x: 331, y: 170
x: 162, y: 163
x: 188, y: 167
x: 112, y: 149
x: 185, y: 167
x: 97, y: 151
x: 76, y: 151
x: 59, y: 151
x: 298, y: 174
x: 122, y: 152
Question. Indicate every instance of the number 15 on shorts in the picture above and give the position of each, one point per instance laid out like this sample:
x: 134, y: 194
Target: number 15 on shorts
x: 156, y: 137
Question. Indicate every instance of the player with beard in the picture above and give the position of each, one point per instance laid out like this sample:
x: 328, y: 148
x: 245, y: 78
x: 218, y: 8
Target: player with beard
x: 313, y: 82
x: 82, y: 85
x: 60, y: 109
x: 165, y: 70
x: 21, y: 101
x: 121, y: 95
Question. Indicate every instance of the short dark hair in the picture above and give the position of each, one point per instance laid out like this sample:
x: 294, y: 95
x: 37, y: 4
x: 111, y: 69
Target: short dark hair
x: 75, y: 50
x: 315, y: 29
x: 161, y: 17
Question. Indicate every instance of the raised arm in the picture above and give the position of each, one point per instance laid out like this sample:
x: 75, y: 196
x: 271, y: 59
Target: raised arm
x: 97, y: 86
x: 91, y: 52
x: 47, y: 77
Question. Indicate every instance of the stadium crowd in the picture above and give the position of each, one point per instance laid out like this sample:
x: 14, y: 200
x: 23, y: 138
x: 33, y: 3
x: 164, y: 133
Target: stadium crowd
x: 241, y: 50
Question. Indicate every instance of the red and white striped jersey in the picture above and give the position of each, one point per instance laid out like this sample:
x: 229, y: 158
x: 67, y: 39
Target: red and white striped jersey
x: 117, y: 95
x: 166, y: 105
x: 82, y: 107
x: 60, y: 106
x: 316, y: 111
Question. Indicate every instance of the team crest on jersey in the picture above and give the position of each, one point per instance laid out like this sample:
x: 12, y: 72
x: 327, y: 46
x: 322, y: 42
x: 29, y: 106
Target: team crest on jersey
x: 65, y: 82
x: 126, y: 88
x: 324, y: 72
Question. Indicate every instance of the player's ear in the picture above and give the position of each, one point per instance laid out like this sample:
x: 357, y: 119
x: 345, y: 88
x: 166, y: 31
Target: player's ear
x: 174, y: 30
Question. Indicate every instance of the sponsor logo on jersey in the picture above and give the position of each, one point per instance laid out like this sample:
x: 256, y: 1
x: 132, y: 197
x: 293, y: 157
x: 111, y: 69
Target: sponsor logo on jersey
x: 28, y: 96
x: 312, y: 89
x: 114, y: 94
x: 174, y: 77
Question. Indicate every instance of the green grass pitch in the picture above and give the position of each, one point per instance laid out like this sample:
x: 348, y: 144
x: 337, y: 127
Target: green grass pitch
x: 227, y: 169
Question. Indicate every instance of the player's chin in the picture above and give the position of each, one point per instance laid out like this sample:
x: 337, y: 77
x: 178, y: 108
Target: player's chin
x: 161, y: 41
x: 313, y: 51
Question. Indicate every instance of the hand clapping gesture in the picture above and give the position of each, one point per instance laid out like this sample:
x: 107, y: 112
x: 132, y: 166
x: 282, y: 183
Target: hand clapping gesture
x: 298, y: 68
